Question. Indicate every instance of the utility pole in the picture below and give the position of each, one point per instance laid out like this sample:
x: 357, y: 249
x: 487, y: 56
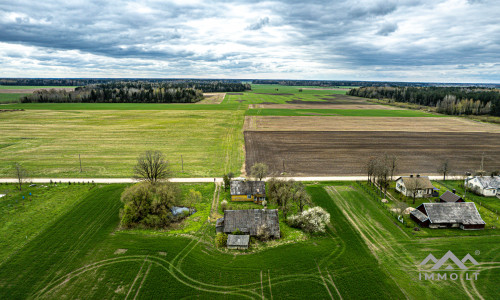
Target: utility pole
x: 182, y: 163
x: 80, y: 159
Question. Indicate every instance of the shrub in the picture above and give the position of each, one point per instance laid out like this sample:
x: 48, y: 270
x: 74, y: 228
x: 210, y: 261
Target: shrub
x: 238, y: 232
x: 263, y: 232
x: 312, y: 220
x: 223, y: 205
x: 221, y: 240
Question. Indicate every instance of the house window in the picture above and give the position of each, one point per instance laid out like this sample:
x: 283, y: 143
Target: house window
x: 249, y: 196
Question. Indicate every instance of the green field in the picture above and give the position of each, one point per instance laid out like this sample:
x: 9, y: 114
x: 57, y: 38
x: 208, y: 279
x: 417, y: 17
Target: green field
x: 7, y: 97
x: 48, y: 142
x: 82, y: 254
x: 337, y: 112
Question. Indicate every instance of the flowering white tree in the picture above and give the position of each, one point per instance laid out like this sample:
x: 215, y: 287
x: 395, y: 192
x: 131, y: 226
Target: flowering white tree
x: 312, y: 220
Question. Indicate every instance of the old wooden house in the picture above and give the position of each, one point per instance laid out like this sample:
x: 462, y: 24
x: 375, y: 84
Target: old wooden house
x: 248, y: 191
x: 420, y: 185
x: 249, y: 220
x: 449, y: 197
x: 462, y: 215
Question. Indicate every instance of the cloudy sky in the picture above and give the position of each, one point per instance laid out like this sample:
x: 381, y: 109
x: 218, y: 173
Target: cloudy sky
x: 414, y: 40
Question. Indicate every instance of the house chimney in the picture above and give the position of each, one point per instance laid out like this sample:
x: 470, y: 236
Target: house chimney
x: 454, y: 191
x: 411, y: 176
x: 418, y: 175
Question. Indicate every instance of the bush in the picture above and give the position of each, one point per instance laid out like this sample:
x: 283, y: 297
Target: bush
x: 223, y: 205
x: 263, y: 232
x: 312, y: 220
x: 238, y: 232
x: 221, y: 240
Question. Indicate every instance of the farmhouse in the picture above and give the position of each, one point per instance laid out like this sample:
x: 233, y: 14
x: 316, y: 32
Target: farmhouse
x: 248, y: 191
x: 449, y: 197
x: 420, y: 184
x: 237, y: 241
x: 488, y: 186
x: 462, y: 215
x: 248, y: 221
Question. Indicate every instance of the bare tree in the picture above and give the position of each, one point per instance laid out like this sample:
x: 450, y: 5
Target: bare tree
x: 393, y: 164
x: 21, y: 174
x: 259, y: 171
x: 299, y: 195
x: 370, y: 168
x: 414, y: 186
x: 152, y: 167
x: 381, y: 173
x: 444, y: 168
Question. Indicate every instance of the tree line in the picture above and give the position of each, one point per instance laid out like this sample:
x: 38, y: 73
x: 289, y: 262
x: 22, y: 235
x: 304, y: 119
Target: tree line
x: 134, y: 92
x: 447, y: 100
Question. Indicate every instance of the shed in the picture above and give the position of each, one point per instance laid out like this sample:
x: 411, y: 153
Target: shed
x: 450, y: 197
x: 248, y: 191
x: 462, y: 215
x: 238, y: 241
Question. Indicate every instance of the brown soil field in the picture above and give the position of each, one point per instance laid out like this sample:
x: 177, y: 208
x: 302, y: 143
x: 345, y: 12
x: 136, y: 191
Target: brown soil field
x: 212, y: 98
x: 322, y: 123
x: 27, y: 91
x: 333, y: 153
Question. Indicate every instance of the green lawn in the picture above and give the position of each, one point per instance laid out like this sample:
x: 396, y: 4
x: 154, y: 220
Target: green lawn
x: 48, y: 142
x: 337, y: 112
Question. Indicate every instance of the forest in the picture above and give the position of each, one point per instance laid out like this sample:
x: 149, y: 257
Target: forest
x: 134, y: 92
x: 348, y: 83
x: 447, y: 100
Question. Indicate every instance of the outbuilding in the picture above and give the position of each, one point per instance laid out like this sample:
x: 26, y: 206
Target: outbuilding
x: 249, y: 220
x: 248, y: 191
x: 463, y: 215
x: 449, y: 197
x: 238, y: 241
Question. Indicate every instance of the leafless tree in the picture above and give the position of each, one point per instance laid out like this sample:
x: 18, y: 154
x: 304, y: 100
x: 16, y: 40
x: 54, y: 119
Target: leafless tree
x: 393, y: 164
x: 381, y: 174
x: 21, y: 174
x: 370, y: 168
x: 444, y: 168
x: 152, y: 167
x: 414, y: 186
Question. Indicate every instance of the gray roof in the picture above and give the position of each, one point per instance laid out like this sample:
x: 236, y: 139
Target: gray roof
x: 422, y: 182
x: 419, y: 215
x: 489, y: 182
x: 450, y: 197
x: 238, y: 240
x: 456, y: 212
x: 239, y: 187
x: 250, y: 220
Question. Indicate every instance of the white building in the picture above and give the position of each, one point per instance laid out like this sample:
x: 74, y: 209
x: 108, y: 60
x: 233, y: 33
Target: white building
x: 488, y: 186
x: 420, y: 184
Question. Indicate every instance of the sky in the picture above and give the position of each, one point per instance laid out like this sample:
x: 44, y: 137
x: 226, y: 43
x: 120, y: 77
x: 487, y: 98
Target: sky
x: 414, y: 40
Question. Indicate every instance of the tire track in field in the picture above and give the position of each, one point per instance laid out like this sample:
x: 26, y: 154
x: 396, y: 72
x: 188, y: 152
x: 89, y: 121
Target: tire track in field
x: 135, y: 279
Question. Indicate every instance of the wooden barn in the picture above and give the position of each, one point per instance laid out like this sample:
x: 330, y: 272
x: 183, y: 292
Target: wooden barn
x: 238, y: 241
x: 449, y: 197
x: 421, y: 184
x: 248, y: 191
x: 249, y: 220
x: 463, y: 215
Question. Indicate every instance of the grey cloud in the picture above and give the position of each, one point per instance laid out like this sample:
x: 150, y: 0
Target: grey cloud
x: 387, y: 29
x: 261, y: 23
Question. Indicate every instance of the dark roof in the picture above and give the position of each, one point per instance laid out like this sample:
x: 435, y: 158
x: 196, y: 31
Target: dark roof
x: 239, y: 187
x: 238, y: 240
x: 489, y: 182
x: 457, y: 212
x: 422, y: 182
x: 249, y: 220
x: 450, y: 197
x: 419, y: 215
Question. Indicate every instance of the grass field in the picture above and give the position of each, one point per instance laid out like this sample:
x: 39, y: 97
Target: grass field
x: 8, y: 97
x: 30, y: 87
x: 81, y: 254
x: 48, y: 142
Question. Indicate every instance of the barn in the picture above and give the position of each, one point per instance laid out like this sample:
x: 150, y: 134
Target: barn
x: 449, y: 197
x: 248, y: 191
x: 463, y: 215
x: 249, y: 220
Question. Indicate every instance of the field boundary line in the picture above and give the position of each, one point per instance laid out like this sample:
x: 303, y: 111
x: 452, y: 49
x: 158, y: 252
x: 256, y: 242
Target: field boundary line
x: 261, y: 285
x: 270, y: 287
x: 324, y: 282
